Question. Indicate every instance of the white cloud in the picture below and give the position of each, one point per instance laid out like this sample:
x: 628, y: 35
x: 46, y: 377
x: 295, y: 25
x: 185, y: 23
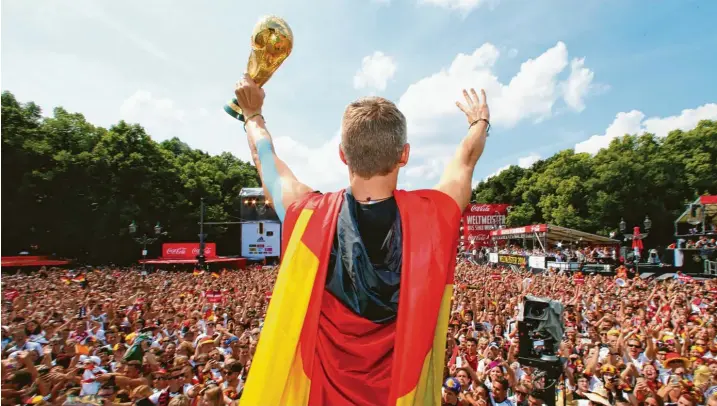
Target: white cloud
x: 376, y: 70
x: 164, y: 119
x: 460, y: 5
x: 496, y: 173
x: 429, y: 103
x: 578, y: 84
x: 142, y: 107
x: 429, y: 170
x: 523, y: 162
x: 530, y: 94
x: 528, y: 161
x: 634, y: 122
x: 319, y: 167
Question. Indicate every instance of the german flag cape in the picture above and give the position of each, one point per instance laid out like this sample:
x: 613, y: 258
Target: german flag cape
x: 287, y: 352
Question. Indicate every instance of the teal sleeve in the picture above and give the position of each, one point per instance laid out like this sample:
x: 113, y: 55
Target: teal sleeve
x: 270, y: 175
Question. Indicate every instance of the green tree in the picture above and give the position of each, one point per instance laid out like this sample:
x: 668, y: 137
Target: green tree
x: 637, y: 175
x: 72, y: 188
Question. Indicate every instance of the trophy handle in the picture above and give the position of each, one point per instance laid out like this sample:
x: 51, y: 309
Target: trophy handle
x: 232, y: 108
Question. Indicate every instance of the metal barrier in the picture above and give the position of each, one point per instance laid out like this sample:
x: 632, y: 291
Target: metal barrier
x: 710, y: 268
x: 563, y: 266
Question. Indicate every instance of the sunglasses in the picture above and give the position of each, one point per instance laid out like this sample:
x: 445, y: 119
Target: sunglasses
x: 634, y: 345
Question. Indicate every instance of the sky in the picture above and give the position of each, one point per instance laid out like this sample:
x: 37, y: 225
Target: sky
x: 558, y: 73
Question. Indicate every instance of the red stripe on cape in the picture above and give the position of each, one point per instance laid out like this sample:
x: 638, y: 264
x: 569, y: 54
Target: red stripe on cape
x: 362, y: 371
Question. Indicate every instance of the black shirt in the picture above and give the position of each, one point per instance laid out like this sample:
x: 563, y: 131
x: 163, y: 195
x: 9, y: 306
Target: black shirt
x: 364, y: 270
x: 374, y: 223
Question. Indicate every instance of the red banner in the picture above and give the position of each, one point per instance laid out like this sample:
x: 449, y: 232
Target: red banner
x: 213, y: 296
x: 479, y: 220
x: 187, y: 250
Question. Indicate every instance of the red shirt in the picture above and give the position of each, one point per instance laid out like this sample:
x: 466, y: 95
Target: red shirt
x: 11, y: 294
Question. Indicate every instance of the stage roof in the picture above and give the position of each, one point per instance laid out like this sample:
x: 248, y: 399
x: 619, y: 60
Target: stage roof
x: 251, y: 192
x: 553, y: 234
x: 707, y: 206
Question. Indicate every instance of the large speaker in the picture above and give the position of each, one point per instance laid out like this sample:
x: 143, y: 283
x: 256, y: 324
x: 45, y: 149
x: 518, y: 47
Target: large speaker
x: 255, y: 206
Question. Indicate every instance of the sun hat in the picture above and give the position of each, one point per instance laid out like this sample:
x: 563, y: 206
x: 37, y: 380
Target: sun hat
x: 599, y: 395
x: 673, y: 356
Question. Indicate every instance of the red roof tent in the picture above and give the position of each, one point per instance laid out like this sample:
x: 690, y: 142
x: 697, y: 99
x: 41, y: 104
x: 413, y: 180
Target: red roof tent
x: 32, y: 261
x: 550, y: 233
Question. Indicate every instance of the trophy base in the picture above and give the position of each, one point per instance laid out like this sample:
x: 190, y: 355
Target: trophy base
x: 232, y: 108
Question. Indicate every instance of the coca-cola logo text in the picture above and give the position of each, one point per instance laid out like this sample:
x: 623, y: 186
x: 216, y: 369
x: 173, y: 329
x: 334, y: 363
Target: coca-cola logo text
x: 195, y: 251
x: 187, y: 250
x: 176, y: 251
x: 482, y: 208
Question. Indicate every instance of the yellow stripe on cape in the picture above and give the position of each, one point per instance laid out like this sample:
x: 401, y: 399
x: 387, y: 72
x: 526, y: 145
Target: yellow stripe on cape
x: 277, y: 359
x: 428, y: 390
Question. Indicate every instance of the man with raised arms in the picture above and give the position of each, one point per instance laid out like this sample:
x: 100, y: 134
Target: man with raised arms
x: 360, y: 309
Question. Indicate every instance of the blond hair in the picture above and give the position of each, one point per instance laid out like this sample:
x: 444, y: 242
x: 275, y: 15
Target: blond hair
x: 373, y: 134
x: 214, y: 396
x: 180, y: 400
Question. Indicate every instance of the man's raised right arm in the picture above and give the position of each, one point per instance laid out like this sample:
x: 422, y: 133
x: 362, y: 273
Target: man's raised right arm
x: 279, y: 182
x: 457, y: 176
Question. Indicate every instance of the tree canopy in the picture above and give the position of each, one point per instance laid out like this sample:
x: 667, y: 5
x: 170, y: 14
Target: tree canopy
x: 636, y: 176
x: 71, y: 188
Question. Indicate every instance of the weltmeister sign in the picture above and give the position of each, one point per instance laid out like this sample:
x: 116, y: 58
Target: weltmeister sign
x: 479, y: 220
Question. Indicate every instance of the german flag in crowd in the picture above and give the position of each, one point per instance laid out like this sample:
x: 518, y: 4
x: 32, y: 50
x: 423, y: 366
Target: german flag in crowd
x: 215, y: 275
x: 310, y: 337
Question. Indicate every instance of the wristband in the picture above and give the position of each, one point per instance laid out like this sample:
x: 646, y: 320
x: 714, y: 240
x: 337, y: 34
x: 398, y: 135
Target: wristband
x: 478, y: 121
x: 246, y: 120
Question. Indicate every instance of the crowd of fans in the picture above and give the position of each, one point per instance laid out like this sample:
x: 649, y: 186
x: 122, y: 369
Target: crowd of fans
x: 105, y: 336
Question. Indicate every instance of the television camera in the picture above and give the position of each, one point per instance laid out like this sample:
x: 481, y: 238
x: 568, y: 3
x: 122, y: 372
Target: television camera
x: 540, y: 331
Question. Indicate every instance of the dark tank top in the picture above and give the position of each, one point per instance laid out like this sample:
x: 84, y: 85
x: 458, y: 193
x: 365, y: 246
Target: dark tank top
x: 374, y: 224
x: 364, y: 269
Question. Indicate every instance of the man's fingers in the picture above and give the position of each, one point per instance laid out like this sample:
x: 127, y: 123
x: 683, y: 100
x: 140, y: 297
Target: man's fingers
x: 248, y: 79
x: 475, y: 97
x: 485, y: 98
x: 462, y: 107
x: 468, y: 98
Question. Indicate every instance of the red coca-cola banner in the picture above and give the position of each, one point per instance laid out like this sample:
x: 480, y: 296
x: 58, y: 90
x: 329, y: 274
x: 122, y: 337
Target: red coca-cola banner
x: 479, y: 220
x: 187, y: 250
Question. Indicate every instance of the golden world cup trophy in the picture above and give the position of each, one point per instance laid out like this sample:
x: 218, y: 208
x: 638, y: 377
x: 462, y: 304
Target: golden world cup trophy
x: 271, y: 43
